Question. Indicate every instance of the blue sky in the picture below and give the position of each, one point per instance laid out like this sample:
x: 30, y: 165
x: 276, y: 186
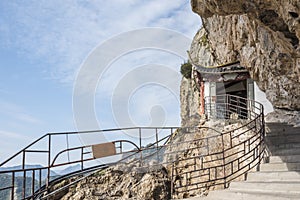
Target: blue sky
x: 43, y: 45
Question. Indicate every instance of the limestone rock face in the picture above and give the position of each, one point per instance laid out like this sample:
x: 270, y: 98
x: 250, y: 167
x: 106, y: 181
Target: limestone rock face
x: 189, y: 98
x: 263, y: 35
x: 122, y: 182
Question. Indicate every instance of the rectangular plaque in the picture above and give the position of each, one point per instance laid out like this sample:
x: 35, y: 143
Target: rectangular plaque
x: 103, y: 150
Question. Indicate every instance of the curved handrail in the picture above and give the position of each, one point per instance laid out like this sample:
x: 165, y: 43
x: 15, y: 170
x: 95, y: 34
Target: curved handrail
x: 255, y: 123
x: 89, y: 146
x: 256, y: 152
x: 234, y: 156
x: 36, y: 173
x: 150, y: 147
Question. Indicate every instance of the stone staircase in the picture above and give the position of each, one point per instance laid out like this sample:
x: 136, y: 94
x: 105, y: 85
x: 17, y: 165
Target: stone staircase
x: 278, y: 177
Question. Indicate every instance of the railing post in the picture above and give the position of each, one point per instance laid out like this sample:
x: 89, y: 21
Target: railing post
x: 210, y: 100
x: 140, y: 137
x: 33, y: 182
x: 263, y: 122
x: 13, y: 186
x: 82, y: 158
x: 24, y: 174
x: 157, y: 153
x: 40, y: 178
x: 227, y: 106
x: 141, y: 152
x: 224, y: 166
x: 263, y: 131
x: 49, y: 161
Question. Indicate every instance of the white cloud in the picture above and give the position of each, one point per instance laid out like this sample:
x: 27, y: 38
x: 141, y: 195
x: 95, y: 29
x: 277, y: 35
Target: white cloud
x: 137, y: 91
x: 12, y: 135
x: 18, y: 113
x: 61, y: 33
x: 131, y: 62
x: 26, y: 118
x: 58, y: 35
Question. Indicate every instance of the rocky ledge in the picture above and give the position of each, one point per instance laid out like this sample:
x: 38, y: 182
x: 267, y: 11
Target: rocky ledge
x: 123, y: 181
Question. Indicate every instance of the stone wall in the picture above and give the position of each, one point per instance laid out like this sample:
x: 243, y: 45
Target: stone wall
x: 203, y: 157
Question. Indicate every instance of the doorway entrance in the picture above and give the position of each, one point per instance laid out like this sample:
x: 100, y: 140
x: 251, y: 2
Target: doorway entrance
x: 237, y: 105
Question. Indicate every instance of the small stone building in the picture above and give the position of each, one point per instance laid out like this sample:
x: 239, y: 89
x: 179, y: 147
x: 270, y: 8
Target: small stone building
x: 232, y: 79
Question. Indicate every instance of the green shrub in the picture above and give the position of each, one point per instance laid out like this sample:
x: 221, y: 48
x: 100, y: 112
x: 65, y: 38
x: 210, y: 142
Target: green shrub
x: 186, y: 70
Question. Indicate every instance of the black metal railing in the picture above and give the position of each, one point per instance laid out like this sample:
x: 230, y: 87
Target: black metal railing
x: 213, y: 158
x: 28, y: 180
x: 217, y: 160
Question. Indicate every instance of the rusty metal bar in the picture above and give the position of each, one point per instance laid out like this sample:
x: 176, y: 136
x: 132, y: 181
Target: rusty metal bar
x: 140, y: 137
x: 33, y: 183
x: 121, y: 147
x: 224, y: 171
x: 48, y: 168
x: 40, y: 178
x: 49, y: 161
x: 6, y: 188
x: 15, y: 155
x: 82, y: 149
x: 13, y: 186
x: 255, y: 155
x: 36, y: 151
x: 225, y: 102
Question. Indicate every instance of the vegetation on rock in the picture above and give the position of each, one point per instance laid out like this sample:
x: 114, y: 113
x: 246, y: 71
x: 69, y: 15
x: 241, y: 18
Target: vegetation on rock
x: 186, y: 70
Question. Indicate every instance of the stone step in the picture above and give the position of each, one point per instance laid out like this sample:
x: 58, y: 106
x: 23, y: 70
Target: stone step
x: 283, y: 139
x: 279, y: 178
x: 281, y: 129
x: 278, y: 132
x: 284, y: 151
x: 232, y: 195
x: 293, y: 132
x: 293, y: 166
x: 279, y: 145
x: 278, y: 124
x: 269, y: 176
x: 275, y: 188
x: 280, y: 159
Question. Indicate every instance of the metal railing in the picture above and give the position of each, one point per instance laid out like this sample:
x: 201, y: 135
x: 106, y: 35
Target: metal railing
x: 34, y: 178
x: 217, y: 160
x: 212, y: 159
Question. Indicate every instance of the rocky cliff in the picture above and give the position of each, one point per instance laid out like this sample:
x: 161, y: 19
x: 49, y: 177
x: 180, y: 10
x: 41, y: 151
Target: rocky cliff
x: 263, y: 35
x: 189, y: 98
x: 122, y: 181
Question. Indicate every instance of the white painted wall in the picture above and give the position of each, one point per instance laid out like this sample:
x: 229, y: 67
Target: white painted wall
x: 206, y: 89
x: 260, y: 96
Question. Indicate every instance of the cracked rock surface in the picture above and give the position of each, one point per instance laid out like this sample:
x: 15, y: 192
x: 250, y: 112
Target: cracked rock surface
x: 263, y: 35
